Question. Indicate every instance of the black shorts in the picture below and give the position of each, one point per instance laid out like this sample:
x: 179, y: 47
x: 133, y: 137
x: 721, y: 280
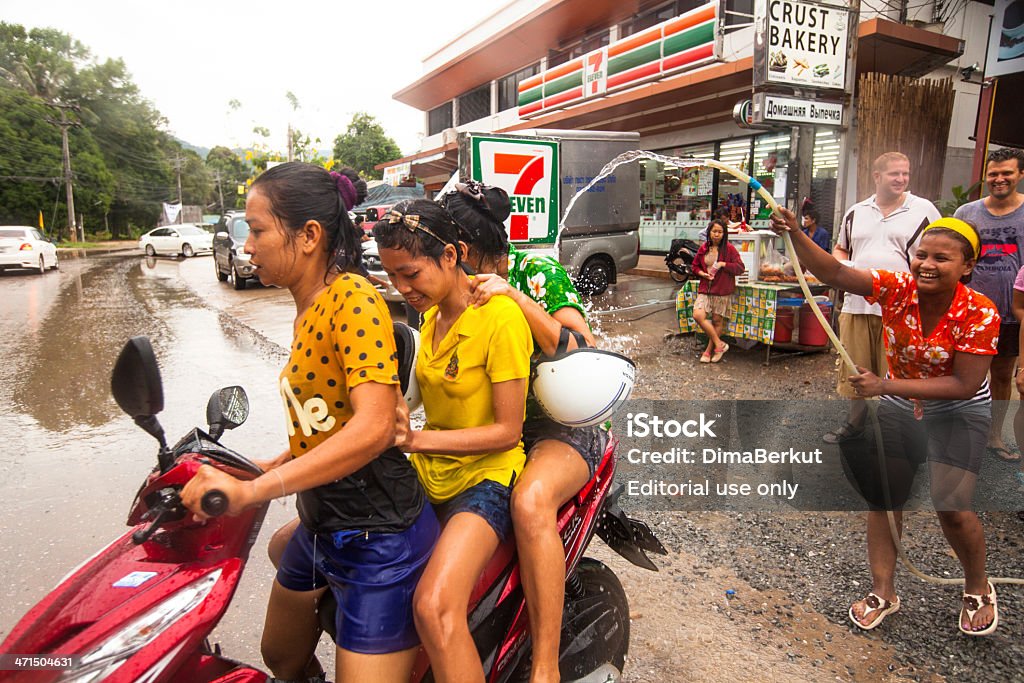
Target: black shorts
x: 589, y: 442
x: 955, y: 439
x: 1009, y: 339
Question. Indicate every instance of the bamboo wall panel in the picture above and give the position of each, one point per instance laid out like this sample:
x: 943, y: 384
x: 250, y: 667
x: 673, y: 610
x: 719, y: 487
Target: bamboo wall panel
x: 899, y: 114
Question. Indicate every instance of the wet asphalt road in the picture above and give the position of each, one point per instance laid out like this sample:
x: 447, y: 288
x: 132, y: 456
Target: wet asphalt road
x: 73, y: 462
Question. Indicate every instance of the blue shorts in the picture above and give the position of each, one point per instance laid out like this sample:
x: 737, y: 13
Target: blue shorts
x: 373, y: 576
x: 589, y: 442
x: 489, y: 500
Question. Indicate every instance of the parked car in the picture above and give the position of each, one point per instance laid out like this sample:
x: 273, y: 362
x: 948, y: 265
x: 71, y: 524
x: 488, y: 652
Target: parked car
x: 25, y: 247
x: 371, y: 259
x: 229, y: 261
x: 186, y: 239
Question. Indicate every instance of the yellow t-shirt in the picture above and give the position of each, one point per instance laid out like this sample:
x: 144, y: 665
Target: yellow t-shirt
x: 344, y: 339
x: 486, y: 345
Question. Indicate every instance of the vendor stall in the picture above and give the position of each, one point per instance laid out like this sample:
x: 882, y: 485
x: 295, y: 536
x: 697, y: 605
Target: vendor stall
x: 769, y: 313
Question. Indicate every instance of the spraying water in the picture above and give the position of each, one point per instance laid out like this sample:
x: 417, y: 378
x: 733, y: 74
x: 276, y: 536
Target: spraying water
x: 691, y: 162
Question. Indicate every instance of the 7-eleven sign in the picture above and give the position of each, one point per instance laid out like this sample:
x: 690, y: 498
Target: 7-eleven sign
x: 528, y: 171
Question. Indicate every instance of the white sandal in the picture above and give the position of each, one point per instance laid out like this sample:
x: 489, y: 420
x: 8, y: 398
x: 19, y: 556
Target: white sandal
x: 972, y: 604
x: 875, y: 603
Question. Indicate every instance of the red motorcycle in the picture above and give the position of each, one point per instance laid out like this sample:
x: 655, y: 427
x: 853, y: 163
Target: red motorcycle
x: 142, y: 608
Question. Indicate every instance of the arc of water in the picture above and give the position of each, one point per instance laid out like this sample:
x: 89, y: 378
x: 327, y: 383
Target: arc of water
x: 693, y: 162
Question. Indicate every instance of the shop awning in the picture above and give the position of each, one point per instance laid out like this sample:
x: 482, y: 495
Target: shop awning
x: 519, y: 43
x: 440, y: 161
x: 707, y: 95
x: 897, y: 49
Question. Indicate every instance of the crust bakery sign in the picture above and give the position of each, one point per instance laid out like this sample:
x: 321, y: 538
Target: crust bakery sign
x: 801, y: 44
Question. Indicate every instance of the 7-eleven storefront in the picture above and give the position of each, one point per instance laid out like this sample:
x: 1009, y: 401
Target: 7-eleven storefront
x: 676, y: 83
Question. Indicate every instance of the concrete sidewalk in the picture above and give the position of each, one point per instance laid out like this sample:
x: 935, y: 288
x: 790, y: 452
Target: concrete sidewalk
x: 104, y: 248
x: 651, y: 265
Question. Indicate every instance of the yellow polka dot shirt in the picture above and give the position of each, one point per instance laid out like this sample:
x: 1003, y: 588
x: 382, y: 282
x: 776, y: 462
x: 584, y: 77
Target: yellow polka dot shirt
x: 344, y: 339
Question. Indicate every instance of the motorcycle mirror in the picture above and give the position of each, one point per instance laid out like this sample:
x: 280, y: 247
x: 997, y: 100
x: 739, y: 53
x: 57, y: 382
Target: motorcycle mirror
x: 135, y: 380
x: 136, y: 386
x: 226, y: 409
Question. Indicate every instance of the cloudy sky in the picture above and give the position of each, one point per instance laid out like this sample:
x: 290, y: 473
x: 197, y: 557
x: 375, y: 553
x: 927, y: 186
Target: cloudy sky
x: 191, y: 58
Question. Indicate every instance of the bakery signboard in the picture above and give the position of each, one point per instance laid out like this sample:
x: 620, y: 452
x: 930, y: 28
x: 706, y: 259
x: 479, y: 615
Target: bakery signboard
x: 801, y: 44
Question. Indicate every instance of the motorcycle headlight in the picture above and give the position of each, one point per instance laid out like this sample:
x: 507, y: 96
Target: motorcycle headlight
x: 101, y: 661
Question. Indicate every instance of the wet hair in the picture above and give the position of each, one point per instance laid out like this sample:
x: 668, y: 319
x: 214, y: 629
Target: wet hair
x: 724, y: 224
x: 479, y: 212
x: 300, y: 192
x: 1006, y: 154
x: 418, y: 241
x: 883, y: 161
x: 812, y: 213
x: 966, y: 247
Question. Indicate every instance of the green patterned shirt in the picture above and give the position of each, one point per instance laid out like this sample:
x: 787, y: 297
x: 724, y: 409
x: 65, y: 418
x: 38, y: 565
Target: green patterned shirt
x: 543, y: 279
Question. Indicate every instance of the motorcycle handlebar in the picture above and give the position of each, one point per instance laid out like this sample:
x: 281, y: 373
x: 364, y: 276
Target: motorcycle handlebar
x: 214, y: 503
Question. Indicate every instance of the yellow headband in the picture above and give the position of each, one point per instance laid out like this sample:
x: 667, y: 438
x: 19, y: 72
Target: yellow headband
x: 960, y: 228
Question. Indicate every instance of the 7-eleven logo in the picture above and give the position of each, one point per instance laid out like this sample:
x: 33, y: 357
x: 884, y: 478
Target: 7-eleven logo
x: 595, y: 77
x: 525, y: 171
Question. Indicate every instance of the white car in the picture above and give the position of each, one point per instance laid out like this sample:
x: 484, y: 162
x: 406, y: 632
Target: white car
x: 25, y: 247
x: 186, y: 239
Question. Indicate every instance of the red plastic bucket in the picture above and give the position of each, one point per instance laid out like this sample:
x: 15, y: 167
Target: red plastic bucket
x: 811, y: 331
x: 785, y: 316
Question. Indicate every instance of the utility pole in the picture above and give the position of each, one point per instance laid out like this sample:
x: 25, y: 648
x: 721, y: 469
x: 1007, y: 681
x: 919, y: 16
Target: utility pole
x: 64, y: 124
x: 177, y: 169
x: 291, y: 150
x: 220, y: 192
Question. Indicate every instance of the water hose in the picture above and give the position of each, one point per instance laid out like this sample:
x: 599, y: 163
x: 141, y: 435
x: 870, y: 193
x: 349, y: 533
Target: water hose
x: 755, y: 185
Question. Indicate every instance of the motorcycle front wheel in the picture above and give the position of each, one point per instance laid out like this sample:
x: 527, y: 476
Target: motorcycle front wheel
x: 595, y: 627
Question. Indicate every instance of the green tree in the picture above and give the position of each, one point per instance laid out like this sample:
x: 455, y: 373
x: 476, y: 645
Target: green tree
x: 364, y: 144
x: 223, y: 163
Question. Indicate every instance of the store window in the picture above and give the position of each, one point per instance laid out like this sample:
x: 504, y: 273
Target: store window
x: 771, y: 159
x: 825, y: 170
x: 508, y: 87
x: 652, y: 16
x: 740, y: 12
x: 731, y: 193
x: 578, y: 49
x: 439, y: 118
x: 476, y: 104
x: 675, y: 200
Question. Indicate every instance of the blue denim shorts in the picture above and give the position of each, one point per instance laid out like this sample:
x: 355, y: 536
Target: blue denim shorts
x: 373, y: 576
x: 589, y: 442
x: 488, y: 499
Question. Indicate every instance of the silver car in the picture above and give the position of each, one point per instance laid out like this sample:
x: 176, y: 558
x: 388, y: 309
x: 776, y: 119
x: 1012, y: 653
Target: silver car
x: 371, y: 259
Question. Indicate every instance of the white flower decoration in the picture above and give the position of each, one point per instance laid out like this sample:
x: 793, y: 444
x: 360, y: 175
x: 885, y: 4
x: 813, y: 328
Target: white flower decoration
x: 936, y: 355
x: 572, y: 297
x: 909, y: 353
x: 536, y: 285
x: 910, y: 321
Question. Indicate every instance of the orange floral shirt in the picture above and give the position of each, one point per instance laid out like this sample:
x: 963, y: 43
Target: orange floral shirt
x: 971, y: 325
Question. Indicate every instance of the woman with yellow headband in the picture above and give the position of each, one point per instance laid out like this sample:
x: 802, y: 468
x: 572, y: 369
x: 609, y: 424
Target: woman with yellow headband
x: 940, y: 337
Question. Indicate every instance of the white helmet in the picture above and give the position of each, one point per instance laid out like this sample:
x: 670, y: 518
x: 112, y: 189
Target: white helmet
x: 407, y: 342
x: 583, y: 387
